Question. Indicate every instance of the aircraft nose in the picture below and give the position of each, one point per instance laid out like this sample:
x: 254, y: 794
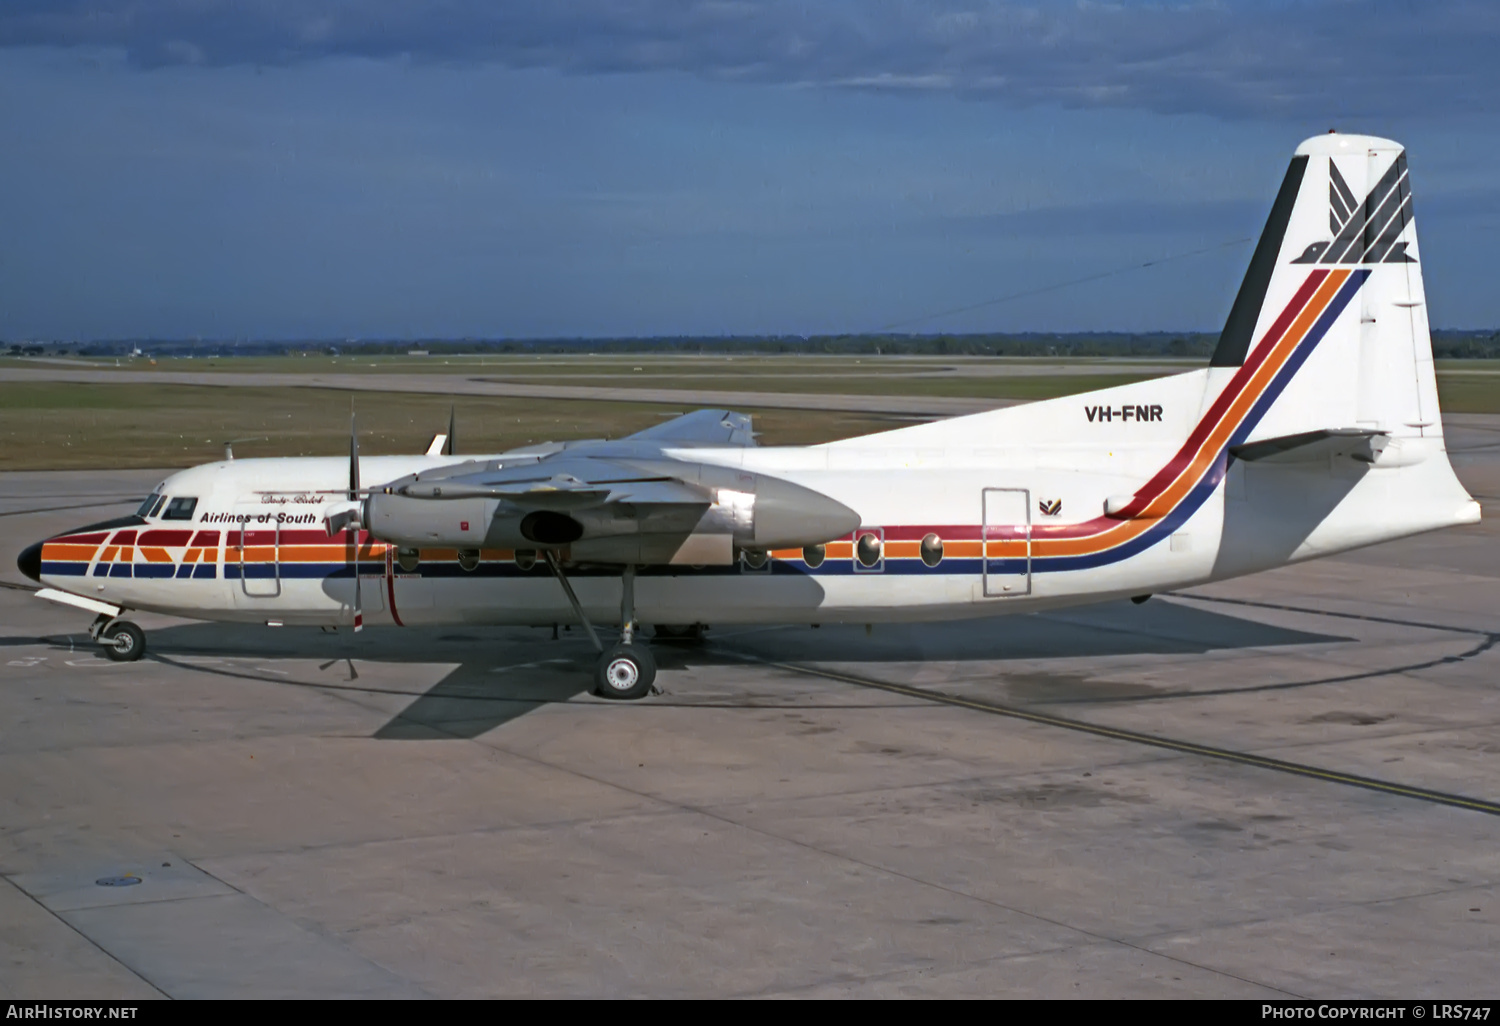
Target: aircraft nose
x: 29, y: 562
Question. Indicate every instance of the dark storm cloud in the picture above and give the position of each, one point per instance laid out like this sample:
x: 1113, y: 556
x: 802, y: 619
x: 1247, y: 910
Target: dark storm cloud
x: 1274, y: 59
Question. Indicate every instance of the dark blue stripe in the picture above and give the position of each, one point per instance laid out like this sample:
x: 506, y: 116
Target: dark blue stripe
x: 1200, y: 492
x: 65, y: 569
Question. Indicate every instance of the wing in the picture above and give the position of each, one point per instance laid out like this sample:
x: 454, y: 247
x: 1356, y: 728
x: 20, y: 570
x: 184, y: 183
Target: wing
x: 701, y: 428
x: 560, y: 483
x: 634, y: 506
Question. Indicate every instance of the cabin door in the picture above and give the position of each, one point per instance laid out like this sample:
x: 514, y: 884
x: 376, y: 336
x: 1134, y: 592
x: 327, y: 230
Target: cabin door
x: 1007, y: 542
x: 252, y: 552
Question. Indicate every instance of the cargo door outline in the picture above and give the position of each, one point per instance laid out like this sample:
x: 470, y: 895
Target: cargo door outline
x: 1006, y: 541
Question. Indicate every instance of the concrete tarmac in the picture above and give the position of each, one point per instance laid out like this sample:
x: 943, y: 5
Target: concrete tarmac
x: 974, y: 809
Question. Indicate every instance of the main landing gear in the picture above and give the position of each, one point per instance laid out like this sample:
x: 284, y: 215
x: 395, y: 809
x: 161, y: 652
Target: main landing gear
x: 627, y: 670
x: 122, y: 640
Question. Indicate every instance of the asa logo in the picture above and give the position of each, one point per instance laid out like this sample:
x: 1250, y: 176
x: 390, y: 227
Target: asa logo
x: 1049, y: 507
x: 1367, y: 233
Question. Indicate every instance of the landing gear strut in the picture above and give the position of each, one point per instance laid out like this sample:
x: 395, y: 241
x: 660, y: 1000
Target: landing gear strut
x: 627, y: 670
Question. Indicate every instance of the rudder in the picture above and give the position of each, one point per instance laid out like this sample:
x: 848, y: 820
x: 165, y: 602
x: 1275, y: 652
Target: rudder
x: 1331, y: 314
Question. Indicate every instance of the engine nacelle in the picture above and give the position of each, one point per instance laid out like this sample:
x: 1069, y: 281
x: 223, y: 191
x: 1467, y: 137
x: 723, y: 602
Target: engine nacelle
x: 737, y: 510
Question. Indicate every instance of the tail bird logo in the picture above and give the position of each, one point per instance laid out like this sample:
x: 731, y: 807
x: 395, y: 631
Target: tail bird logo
x: 1367, y: 233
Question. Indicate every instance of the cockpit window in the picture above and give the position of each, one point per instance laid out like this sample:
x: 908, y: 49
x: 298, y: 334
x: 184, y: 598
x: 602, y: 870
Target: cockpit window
x: 148, y: 505
x: 180, y: 508
x: 157, y: 508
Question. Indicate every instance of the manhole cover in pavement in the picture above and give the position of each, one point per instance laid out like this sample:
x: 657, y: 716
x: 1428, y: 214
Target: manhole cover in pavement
x: 117, y: 881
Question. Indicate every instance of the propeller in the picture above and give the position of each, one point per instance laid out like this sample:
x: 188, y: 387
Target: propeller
x: 448, y: 447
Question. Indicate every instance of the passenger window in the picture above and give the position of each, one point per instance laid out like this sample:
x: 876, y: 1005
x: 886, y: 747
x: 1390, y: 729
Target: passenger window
x: 180, y: 509
x: 867, y: 549
x: 932, y: 550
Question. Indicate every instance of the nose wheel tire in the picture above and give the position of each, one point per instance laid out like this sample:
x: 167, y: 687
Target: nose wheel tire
x: 123, y: 641
x: 624, y: 672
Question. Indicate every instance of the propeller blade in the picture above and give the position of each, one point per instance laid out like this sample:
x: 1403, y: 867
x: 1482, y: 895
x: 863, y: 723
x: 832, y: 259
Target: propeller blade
x: 352, y: 523
x: 448, y: 449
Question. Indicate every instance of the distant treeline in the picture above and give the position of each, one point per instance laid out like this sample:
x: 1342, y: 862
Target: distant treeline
x: 1447, y: 344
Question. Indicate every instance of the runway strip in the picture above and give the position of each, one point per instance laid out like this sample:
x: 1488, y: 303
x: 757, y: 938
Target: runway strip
x: 1116, y: 734
x: 472, y: 385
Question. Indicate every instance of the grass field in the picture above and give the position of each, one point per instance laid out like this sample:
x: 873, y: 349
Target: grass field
x: 57, y: 426
x: 60, y: 425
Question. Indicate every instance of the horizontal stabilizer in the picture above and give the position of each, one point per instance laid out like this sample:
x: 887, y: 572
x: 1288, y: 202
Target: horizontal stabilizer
x: 1362, y: 444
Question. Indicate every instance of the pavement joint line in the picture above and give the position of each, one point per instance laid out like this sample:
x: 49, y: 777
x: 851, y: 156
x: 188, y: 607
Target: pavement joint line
x: 936, y: 970
x: 347, y: 687
x: 1283, y: 607
x: 709, y: 813
x: 1156, y: 938
x: 1415, y: 731
x: 1041, y: 776
x: 441, y: 835
x: 1188, y: 747
x: 1408, y: 670
x: 670, y: 805
x: 89, y: 940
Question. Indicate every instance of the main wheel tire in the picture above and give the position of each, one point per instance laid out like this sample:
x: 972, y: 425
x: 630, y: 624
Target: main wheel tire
x: 624, y: 672
x: 124, y: 642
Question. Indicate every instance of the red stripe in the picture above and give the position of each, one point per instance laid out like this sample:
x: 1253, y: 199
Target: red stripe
x: 81, y: 539
x: 1242, y: 377
x: 172, y: 538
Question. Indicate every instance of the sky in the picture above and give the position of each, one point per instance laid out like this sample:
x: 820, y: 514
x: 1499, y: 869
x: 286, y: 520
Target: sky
x: 334, y: 169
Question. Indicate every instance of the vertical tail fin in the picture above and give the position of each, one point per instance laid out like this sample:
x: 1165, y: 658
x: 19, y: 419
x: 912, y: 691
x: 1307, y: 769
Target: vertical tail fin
x: 1331, y: 315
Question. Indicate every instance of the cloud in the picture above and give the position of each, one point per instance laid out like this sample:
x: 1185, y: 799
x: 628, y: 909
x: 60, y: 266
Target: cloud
x: 1312, y: 59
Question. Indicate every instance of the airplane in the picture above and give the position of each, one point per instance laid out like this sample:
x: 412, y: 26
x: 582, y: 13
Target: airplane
x: 1313, y: 430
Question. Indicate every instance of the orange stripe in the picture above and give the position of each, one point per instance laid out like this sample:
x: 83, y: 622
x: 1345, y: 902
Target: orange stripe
x: 1213, y: 443
x: 59, y: 551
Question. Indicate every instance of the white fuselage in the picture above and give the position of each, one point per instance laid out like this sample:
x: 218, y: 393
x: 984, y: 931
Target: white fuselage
x: 1019, y: 519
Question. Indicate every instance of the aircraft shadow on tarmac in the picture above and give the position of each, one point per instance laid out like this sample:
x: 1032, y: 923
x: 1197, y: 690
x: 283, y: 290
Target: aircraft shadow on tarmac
x: 500, y: 674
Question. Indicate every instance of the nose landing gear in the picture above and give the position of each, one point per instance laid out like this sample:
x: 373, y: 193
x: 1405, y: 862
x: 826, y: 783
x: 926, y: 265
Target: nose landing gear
x: 123, y: 641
